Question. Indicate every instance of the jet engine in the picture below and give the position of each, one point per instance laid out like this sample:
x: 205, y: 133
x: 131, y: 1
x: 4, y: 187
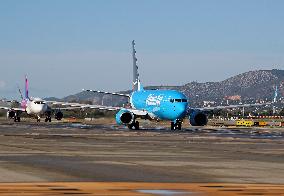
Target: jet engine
x: 11, y: 114
x: 124, y: 117
x: 198, y: 118
x: 58, y: 115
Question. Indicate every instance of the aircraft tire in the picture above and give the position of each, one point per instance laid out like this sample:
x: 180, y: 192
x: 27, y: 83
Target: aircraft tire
x: 48, y: 119
x: 172, y: 125
x: 136, y: 125
x: 178, y: 125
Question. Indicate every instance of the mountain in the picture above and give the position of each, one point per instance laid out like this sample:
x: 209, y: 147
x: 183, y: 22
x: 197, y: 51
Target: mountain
x: 252, y: 85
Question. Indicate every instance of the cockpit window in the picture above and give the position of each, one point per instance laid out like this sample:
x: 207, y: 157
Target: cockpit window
x: 178, y: 100
x: 39, y: 102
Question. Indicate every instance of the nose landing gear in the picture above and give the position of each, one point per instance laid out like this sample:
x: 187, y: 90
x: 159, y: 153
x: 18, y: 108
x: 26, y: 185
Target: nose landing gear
x: 176, y: 125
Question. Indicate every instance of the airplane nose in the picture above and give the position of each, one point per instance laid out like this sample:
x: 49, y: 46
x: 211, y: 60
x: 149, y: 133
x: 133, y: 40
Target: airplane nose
x: 44, y: 107
x: 181, y: 110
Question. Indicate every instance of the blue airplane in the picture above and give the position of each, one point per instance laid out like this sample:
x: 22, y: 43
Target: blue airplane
x: 168, y: 105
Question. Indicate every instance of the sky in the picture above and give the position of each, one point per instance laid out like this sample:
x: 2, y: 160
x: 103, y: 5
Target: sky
x: 67, y: 45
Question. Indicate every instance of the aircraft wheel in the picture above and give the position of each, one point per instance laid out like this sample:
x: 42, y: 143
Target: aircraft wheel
x: 136, y: 125
x: 172, y: 126
x: 178, y: 125
x: 48, y: 119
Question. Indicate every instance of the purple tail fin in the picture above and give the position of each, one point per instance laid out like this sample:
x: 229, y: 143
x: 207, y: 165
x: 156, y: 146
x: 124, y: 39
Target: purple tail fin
x: 26, y: 88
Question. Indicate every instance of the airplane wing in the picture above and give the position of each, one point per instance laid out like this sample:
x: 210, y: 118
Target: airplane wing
x: 71, y: 106
x: 9, y: 108
x: 108, y: 93
x: 232, y: 106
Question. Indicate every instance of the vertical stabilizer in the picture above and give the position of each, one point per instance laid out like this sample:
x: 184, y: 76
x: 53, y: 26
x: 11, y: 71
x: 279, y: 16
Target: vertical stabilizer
x: 26, y: 88
x: 136, y: 81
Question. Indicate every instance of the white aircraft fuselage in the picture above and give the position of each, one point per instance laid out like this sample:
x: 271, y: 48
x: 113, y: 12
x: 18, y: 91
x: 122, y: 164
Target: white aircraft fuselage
x: 35, y: 106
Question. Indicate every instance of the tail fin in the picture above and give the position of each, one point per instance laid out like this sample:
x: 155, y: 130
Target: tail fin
x: 136, y: 81
x: 26, y: 88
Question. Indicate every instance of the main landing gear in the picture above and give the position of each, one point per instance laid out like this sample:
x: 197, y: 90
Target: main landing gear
x: 48, y: 116
x: 176, y: 125
x: 17, y: 118
x: 135, y: 124
x: 48, y: 119
x: 38, y: 119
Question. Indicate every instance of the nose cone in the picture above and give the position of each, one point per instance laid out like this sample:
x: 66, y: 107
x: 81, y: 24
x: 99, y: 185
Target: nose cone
x: 44, y: 107
x: 40, y: 108
x: 180, y: 110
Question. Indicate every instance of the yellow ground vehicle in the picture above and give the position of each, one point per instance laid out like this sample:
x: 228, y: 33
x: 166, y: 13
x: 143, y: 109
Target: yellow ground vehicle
x: 247, y: 123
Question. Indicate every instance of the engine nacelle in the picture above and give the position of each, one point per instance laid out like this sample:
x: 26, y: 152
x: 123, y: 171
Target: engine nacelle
x: 124, y: 117
x: 11, y: 114
x: 58, y: 115
x: 198, y: 118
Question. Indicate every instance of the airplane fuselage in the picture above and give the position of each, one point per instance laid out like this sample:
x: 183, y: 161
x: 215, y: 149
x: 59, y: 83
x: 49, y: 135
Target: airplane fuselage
x: 34, y: 107
x: 163, y: 104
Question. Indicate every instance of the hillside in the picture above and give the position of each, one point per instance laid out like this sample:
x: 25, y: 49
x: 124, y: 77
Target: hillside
x: 250, y: 85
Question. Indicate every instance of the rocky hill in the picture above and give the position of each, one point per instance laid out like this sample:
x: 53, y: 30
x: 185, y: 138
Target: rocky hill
x: 252, y: 85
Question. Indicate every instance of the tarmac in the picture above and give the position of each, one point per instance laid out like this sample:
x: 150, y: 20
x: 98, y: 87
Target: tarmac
x: 112, y: 160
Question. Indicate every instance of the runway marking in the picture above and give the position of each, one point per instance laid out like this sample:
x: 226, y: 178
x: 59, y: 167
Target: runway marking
x: 138, y: 189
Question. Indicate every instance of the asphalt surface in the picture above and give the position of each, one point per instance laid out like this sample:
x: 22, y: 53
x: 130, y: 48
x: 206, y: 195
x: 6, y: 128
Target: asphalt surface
x: 31, y: 152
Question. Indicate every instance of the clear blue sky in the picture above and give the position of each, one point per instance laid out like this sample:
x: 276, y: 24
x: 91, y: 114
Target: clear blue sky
x: 67, y: 45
